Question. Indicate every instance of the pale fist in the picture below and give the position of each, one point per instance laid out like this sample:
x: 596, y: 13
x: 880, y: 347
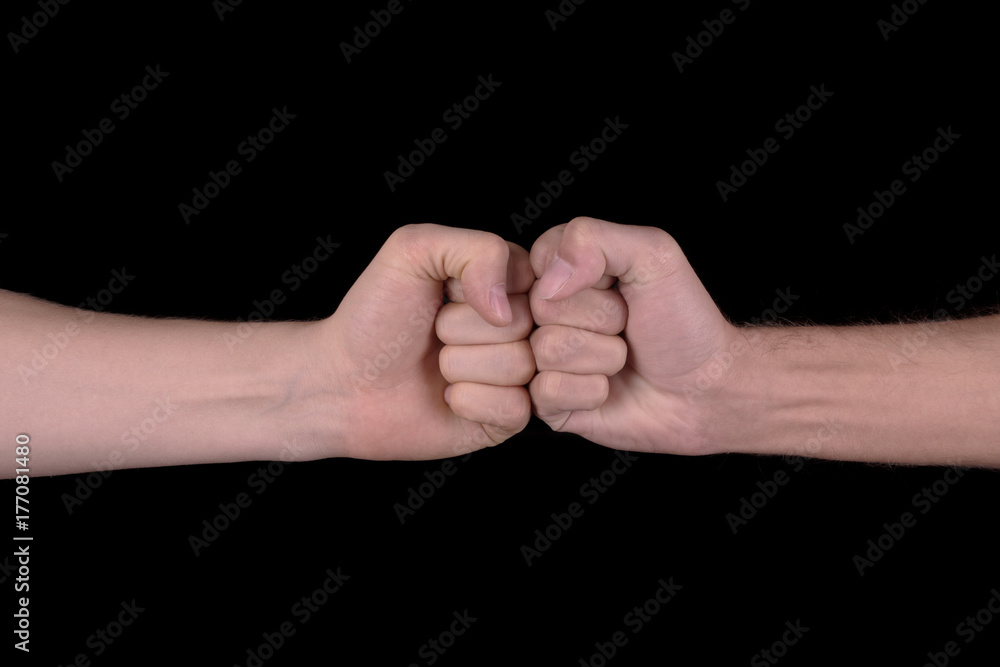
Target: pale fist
x: 385, y: 341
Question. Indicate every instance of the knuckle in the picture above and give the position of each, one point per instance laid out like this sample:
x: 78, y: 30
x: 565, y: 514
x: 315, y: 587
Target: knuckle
x: 543, y: 345
x: 581, y: 224
x: 659, y: 252
x: 546, y: 385
x: 493, y: 247
x: 446, y: 363
x: 619, y: 353
x: 602, y: 391
x: 594, y: 392
x: 522, y: 362
x: 410, y: 241
x: 522, y: 413
x: 444, y: 323
x: 515, y: 409
x: 615, y: 313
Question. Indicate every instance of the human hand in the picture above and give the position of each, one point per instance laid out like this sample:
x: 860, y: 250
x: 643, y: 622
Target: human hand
x: 597, y: 279
x: 387, y: 335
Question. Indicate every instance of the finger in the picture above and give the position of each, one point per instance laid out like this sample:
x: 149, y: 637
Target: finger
x: 501, y: 364
x: 458, y: 324
x: 543, y: 250
x: 520, y: 277
x: 601, y: 311
x: 577, y: 351
x: 431, y: 254
x: 554, y: 393
x: 503, y: 411
x: 586, y: 250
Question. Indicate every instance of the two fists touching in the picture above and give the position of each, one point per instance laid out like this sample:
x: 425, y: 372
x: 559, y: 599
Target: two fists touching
x: 624, y: 330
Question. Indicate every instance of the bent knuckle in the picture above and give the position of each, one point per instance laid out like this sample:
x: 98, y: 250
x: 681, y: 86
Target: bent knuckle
x: 616, y: 312
x: 619, y: 354
x: 410, y: 241
x: 515, y: 410
x: 660, y: 252
x: 522, y: 363
x: 549, y: 384
x: 492, y: 247
x: 446, y: 363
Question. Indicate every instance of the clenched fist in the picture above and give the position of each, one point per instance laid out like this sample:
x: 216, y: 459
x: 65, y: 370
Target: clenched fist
x: 427, y: 379
x: 596, y: 280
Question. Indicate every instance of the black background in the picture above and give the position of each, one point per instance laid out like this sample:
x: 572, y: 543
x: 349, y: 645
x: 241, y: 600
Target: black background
x: 324, y: 176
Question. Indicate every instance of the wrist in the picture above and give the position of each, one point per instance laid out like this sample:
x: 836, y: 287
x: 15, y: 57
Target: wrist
x: 311, y: 399
x: 776, y: 398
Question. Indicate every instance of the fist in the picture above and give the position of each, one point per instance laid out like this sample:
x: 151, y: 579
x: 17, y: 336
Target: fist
x: 420, y: 379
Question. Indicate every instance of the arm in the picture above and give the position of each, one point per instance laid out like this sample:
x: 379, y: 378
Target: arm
x: 695, y: 384
x: 97, y: 390
x: 102, y: 391
x: 924, y: 393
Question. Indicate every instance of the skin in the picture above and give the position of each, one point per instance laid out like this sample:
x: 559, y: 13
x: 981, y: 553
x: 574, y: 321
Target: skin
x: 693, y: 383
x: 630, y: 352
x: 128, y: 392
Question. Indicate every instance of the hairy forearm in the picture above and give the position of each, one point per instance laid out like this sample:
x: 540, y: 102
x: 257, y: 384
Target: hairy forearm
x: 924, y: 393
x: 99, y: 391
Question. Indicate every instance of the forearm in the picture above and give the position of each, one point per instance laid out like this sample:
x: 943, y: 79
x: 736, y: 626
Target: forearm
x: 915, y: 393
x: 110, y: 391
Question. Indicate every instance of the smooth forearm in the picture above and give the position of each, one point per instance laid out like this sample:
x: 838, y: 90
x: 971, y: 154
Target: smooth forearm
x: 111, y: 391
x: 924, y: 393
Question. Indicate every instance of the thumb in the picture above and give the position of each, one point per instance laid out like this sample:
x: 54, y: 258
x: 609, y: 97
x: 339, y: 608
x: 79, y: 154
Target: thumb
x: 431, y: 254
x: 586, y: 252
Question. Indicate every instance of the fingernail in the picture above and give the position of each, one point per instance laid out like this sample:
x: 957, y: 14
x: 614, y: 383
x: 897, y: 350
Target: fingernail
x: 447, y: 394
x: 499, y: 303
x: 554, y: 278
